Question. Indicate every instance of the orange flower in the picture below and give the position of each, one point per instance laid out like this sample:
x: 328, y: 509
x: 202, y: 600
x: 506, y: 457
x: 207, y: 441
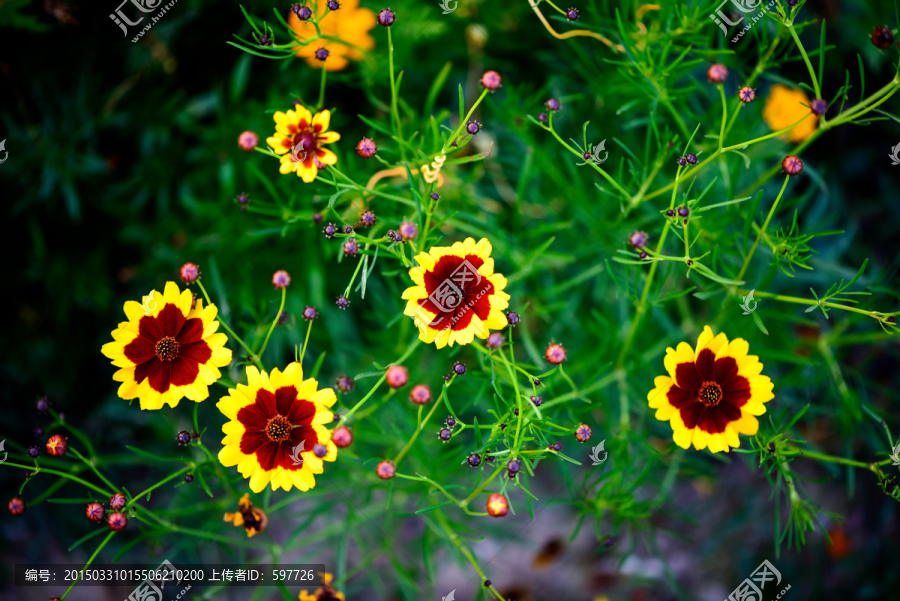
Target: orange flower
x: 350, y: 23
x: 784, y: 107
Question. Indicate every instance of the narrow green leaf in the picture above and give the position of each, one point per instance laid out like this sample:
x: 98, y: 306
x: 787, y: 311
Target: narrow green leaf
x: 758, y: 320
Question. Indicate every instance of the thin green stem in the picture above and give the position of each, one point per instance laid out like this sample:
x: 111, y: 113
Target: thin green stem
x: 90, y: 561
x: 274, y: 323
x: 763, y: 230
x: 395, y: 112
x: 407, y: 353
x: 812, y: 72
x: 44, y: 470
x: 724, y: 117
x: 163, y: 481
x: 419, y: 428
x: 225, y: 325
x: 462, y: 124
x: 321, y: 102
x: 93, y: 467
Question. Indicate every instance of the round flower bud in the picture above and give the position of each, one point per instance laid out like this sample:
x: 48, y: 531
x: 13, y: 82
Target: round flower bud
x: 459, y: 368
x: 513, y: 466
x: 33, y: 451
x: 435, y: 196
x: 304, y: 13
x: 188, y: 478
x: 444, y: 435
x: 117, y: 501
x: 746, y: 94
x: 512, y: 318
x: 351, y: 247
x: 682, y: 161
x: 183, y: 438
x: 691, y: 158
x: 420, y: 394
x: 367, y: 219
x: 264, y: 41
x: 542, y: 117
x: 243, y: 200
x: 329, y: 230
x: 587, y: 156
x: 386, y: 17
x: 473, y: 127
x: 16, y: 506
x: 555, y: 353
x: 366, y: 148
x: 572, y: 14
x: 818, y: 106
x: 333, y: 5
x: 537, y: 381
x: 450, y: 421
x: 882, y: 37
x: 342, y: 437
x: 552, y: 104
x: 537, y: 401
x: 57, y: 445
x: 397, y: 376
x: 281, y: 279
x: 322, y: 53
x: 342, y: 303
x: 497, y: 505
x: 557, y: 447
x: 320, y: 450
x: 495, y: 340
x: 189, y: 273
x: 670, y: 213
x: 474, y: 460
x: 408, y: 230
x: 583, y: 433
x: 491, y: 80
x: 638, y: 239
x: 385, y: 470
x: 42, y: 405
x: 792, y: 165
x: 717, y: 73
x: 310, y: 313
x: 683, y: 211
x: 94, y: 512
x: 117, y: 521
x: 248, y: 140
x: 317, y: 218
x: 643, y: 254
x: 345, y: 384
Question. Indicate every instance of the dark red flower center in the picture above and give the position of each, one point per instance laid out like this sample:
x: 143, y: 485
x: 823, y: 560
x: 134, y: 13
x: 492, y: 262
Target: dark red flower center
x: 710, y: 394
x: 278, y: 428
x: 304, y: 143
x: 456, y: 291
x: 275, y: 426
x: 167, y: 349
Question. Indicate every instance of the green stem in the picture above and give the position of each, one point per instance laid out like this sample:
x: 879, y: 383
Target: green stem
x: 91, y: 560
x: 462, y: 124
x: 812, y: 73
x: 395, y: 112
x: 94, y: 469
x: 229, y: 330
x: 44, y: 470
x: 419, y: 428
x: 274, y: 323
x: 724, y: 117
x: 409, y: 350
x: 321, y: 102
x: 163, y: 481
x: 763, y: 230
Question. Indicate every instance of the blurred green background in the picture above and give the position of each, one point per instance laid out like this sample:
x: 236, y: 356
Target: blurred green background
x: 123, y: 164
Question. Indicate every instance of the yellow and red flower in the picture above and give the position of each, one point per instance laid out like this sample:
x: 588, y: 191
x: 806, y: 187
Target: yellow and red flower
x: 324, y: 592
x: 457, y: 296
x: 168, y: 349
x: 784, y: 107
x: 277, y: 430
x: 712, y: 393
x: 253, y: 519
x: 347, y: 30
x: 299, y: 137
